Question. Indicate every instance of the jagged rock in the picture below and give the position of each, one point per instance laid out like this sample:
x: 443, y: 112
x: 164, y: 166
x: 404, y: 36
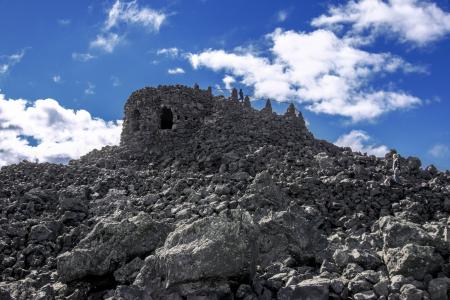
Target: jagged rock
x: 317, y: 289
x: 397, y: 233
x: 292, y: 233
x: 410, y: 292
x: 413, y: 260
x: 127, y: 273
x: 109, y: 245
x: 438, y: 288
x: 213, y: 247
x: 73, y: 199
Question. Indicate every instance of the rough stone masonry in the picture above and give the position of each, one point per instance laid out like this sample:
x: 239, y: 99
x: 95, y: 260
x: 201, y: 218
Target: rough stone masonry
x: 208, y: 198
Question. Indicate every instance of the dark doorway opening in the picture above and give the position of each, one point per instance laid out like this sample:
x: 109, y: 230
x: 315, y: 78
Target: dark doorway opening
x: 166, y: 118
x: 135, y: 120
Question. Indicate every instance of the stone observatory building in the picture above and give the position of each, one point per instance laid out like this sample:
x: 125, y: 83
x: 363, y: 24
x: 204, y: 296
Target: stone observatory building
x: 153, y: 113
x: 167, y: 115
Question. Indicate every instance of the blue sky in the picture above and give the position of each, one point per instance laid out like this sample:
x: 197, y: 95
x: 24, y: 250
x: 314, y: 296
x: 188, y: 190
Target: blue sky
x: 370, y: 74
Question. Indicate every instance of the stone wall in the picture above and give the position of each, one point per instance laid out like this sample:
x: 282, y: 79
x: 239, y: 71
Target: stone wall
x: 167, y: 115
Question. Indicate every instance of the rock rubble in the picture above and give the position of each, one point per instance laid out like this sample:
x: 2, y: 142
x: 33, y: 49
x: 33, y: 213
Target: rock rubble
x: 207, y: 198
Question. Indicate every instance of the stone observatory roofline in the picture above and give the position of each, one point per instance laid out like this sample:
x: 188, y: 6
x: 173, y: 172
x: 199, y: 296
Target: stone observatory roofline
x: 153, y: 115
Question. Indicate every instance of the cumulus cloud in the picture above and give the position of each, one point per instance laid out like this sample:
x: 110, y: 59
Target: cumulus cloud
x: 439, y: 151
x: 416, y: 21
x: 8, y: 61
x: 228, y: 81
x: 44, y: 130
x: 170, y: 52
x: 325, y: 72
x: 106, y: 42
x: 176, y: 71
x: 359, y: 141
x: 83, y: 57
x: 131, y: 13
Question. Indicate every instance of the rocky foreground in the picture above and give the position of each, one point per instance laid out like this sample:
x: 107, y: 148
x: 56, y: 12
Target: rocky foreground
x: 246, y: 205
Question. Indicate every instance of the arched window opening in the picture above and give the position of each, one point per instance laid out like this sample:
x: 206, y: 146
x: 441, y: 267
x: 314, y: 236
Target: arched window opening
x: 166, y: 118
x: 135, y: 120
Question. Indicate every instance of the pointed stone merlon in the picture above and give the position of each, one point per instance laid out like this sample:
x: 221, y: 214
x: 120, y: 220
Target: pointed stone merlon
x: 268, y: 107
x: 234, y: 95
x: 209, y: 91
x: 247, y: 102
x: 291, y: 111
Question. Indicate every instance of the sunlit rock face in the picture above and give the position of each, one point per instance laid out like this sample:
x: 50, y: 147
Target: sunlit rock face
x: 208, y: 198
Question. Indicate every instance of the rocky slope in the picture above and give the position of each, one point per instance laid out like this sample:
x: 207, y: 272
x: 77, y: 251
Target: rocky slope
x: 226, y: 202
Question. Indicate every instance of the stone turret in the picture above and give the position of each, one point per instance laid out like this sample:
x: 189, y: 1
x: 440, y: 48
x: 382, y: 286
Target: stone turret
x: 268, y: 108
x: 291, y: 111
x: 151, y: 114
x: 234, y: 95
x: 247, y: 102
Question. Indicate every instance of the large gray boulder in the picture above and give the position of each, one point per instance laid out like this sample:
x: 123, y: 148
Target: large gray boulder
x: 212, y: 248
x: 413, y: 260
x: 294, y: 232
x: 109, y: 245
x: 397, y: 233
x: 263, y: 193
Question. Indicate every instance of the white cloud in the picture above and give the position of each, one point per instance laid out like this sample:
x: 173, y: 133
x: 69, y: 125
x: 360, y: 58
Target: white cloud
x: 176, y: 71
x: 106, y: 42
x: 282, y: 15
x: 56, y: 79
x: 64, y: 22
x: 115, y: 81
x: 127, y: 13
x: 8, y: 61
x: 325, y: 72
x: 439, y: 151
x: 358, y: 140
x: 171, y: 52
x: 90, y: 90
x: 228, y: 81
x: 417, y: 21
x: 84, y: 57
x: 60, y: 134
x: 131, y: 13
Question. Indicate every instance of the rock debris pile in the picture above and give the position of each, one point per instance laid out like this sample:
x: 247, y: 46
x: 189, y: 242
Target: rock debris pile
x: 207, y: 198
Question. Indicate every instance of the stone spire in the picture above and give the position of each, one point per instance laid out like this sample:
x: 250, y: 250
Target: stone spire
x: 247, y: 102
x: 300, y: 117
x: 291, y: 111
x: 241, y: 95
x: 234, y: 95
x: 268, y: 107
x: 209, y: 91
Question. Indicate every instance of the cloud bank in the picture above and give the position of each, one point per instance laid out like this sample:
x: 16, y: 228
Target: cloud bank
x: 319, y: 69
x: 416, y: 21
x: 44, y: 130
